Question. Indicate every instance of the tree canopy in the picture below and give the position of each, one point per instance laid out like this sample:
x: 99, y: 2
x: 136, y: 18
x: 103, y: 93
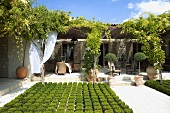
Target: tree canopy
x: 148, y: 31
x: 20, y: 20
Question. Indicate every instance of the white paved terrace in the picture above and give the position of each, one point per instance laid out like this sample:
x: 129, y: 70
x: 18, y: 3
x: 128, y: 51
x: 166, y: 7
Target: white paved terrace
x: 143, y: 99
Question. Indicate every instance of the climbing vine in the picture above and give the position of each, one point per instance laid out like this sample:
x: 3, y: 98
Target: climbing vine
x: 148, y: 31
x: 24, y: 22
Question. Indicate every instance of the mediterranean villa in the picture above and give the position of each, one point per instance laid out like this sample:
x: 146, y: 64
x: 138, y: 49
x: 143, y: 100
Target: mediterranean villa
x: 70, y: 47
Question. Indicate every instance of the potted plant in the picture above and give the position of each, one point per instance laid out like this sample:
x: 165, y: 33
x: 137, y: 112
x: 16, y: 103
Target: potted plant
x: 111, y: 58
x: 91, y: 54
x: 139, y: 56
x: 21, y: 71
x: 90, y: 65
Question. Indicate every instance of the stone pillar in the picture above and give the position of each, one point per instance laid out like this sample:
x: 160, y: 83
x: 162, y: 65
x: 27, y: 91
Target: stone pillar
x: 77, y: 52
x: 113, y: 47
x: 129, y: 51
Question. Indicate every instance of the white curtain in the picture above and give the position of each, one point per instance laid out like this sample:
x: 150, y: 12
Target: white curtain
x: 49, y: 45
x: 37, y: 58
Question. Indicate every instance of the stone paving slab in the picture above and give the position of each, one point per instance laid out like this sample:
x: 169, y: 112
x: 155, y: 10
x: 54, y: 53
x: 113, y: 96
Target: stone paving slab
x: 143, y: 99
x: 11, y: 95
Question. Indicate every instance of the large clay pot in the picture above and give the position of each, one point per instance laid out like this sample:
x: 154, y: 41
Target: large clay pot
x: 138, y: 80
x: 90, y: 77
x: 21, y: 72
x: 98, y: 80
x: 152, y: 73
x: 111, y: 80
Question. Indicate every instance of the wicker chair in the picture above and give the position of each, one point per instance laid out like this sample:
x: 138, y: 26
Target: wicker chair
x: 113, y: 69
x: 61, y: 68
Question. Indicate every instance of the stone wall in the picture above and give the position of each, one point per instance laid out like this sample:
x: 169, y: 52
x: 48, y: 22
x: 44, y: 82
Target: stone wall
x: 57, y: 52
x: 77, y: 52
x: 129, y: 51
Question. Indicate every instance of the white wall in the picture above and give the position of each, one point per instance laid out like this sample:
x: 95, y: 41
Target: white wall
x: 14, y: 62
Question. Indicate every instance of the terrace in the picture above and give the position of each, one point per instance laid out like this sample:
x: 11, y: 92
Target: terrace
x: 124, y: 86
x: 135, y: 97
x: 80, y: 42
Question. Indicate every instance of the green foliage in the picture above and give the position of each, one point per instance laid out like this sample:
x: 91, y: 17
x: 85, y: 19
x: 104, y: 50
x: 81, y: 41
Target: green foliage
x: 23, y: 22
x: 160, y: 86
x: 93, y: 43
x: 89, y: 104
x: 148, y: 31
x: 110, y: 57
x: 139, y: 56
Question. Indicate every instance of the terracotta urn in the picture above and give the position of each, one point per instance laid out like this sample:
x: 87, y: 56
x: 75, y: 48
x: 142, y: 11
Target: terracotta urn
x: 138, y: 80
x: 111, y: 80
x: 21, y: 72
x: 152, y: 73
x: 91, y: 77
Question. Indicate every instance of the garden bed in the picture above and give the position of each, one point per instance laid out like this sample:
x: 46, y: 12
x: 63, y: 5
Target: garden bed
x: 160, y: 86
x: 67, y: 98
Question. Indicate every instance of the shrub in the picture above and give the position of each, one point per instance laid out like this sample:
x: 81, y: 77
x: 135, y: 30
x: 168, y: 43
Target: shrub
x: 126, y: 110
x: 37, y: 111
x: 31, y: 108
x: 78, y: 111
x: 162, y: 87
x: 108, y: 111
x: 97, y: 108
x: 106, y: 108
x: 12, y: 109
x: 89, y: 111
x: 70, y: 107
x: 68, y: 111
x: 79, y: 107
x: 96, y: 104
x: 98, y: 111
x: 87, y: 108
x: 51, y: 109
x: 118, y: 110
x: 110, y: 57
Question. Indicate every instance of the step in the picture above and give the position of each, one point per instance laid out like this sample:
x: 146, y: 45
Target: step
x: 122, y: 83
x: 8, y: 85
x: 52, y: 77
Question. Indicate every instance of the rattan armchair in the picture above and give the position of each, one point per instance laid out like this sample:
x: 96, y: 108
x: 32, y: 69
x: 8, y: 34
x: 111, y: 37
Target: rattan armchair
x: 61, y: 68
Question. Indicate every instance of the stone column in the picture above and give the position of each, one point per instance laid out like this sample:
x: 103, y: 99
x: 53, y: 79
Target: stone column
x: 129, y: 51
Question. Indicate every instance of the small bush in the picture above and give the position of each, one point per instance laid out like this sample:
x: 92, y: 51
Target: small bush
x: 108, y: 111
x: 126, y: 110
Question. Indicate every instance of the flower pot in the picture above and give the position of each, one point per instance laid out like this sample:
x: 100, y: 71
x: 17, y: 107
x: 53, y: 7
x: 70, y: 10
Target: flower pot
x: 98, y: 80
x: 152, y: 73
x: 21, y: 72
x: 111, y: 80
x: 90, y: 77
x: 138, y: 80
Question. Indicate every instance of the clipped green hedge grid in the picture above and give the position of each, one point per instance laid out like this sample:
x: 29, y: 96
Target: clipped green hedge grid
x: 67, y: 97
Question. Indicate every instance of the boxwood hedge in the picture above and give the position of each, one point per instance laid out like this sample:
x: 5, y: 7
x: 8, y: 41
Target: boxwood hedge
x: 67, y: 98
x: 159, y: 86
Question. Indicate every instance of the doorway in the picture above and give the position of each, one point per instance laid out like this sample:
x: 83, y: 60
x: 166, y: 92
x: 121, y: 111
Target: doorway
x: 104, y: 51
